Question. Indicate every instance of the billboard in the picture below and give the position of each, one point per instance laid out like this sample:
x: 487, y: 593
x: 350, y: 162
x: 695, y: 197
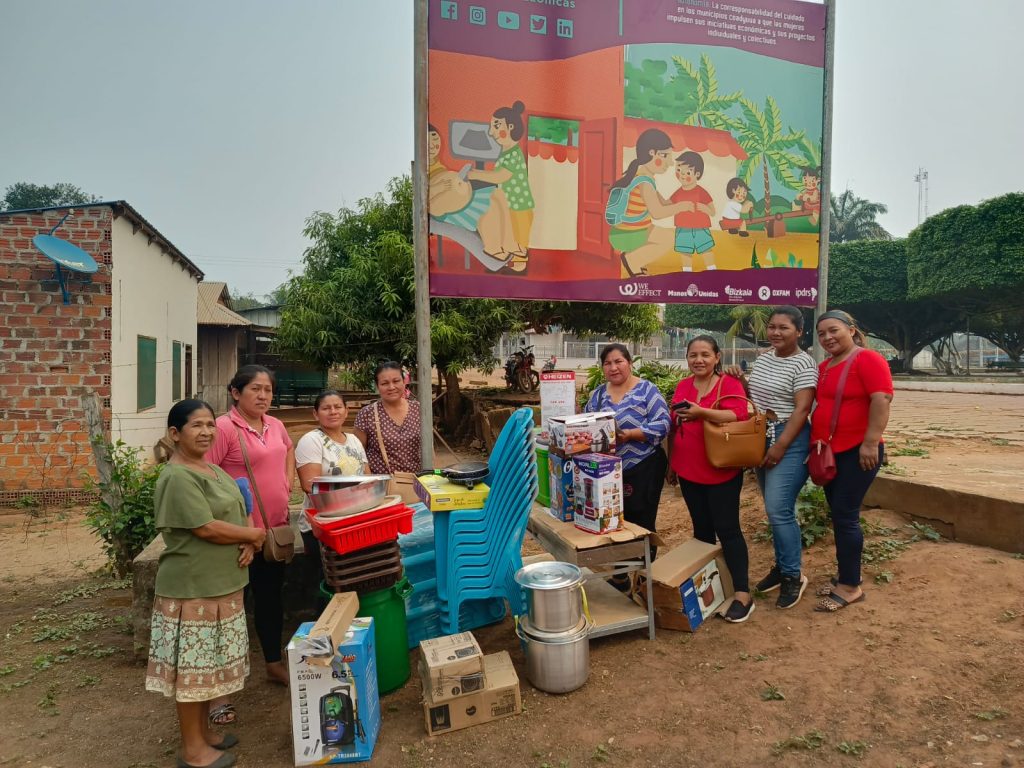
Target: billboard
x: 625, y: 150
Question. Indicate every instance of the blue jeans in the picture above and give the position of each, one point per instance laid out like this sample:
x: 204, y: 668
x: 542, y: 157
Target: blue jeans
x: 845, y: 494
x: 780, y: 487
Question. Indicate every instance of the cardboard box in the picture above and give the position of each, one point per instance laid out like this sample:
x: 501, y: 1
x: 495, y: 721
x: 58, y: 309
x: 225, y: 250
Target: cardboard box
x: 584, y: 433
x: 500, y: 698
x: 330, y: 629
x: 453, y: 666
x: 597, y: 491
x: 440, y: 495
x: 561, y: 488
x: 690, y: 583
x: 335, y: 709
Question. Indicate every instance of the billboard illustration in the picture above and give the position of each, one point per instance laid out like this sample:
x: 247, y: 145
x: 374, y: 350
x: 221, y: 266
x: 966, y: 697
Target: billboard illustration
x: 625, y: 150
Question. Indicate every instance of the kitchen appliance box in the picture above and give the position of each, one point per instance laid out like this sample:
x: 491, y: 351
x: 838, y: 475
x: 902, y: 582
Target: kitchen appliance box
x: 441, y: 495
x: 583, y: 433
x: 335, y: 707
x: 560, y: 488
x: 452, y: 666
x: 500, y: 698
x: 690, y: 583
x: 597, y: 492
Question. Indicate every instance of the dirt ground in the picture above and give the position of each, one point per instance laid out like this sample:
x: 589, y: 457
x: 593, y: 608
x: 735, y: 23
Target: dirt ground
x: 926, y: 672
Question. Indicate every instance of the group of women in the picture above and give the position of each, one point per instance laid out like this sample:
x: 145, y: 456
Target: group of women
x: 786, y: 383
x: 199, y: 650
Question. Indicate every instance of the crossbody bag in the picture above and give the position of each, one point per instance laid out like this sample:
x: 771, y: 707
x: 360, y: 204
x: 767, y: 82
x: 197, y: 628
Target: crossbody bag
x: 401, y: 483
x: 821, y: 461
x: 279, y: 545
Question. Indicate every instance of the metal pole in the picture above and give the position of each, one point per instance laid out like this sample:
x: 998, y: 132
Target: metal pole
x: 826, y: 170
x: 421, y: 235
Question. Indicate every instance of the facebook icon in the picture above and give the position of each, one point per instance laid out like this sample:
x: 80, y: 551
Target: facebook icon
x: 449, y: 10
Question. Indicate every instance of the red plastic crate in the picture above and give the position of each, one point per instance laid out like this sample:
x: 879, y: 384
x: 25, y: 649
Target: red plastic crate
x: 349, y: 534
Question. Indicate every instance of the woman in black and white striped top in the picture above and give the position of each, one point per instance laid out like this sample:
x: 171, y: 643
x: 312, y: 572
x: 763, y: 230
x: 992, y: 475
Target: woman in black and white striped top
x: 783, y: 380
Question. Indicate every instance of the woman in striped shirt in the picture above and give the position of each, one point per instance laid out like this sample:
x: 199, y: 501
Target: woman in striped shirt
x: 783, y: 380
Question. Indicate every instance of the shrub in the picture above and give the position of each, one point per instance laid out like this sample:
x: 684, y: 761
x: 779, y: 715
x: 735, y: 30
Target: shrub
x: 123, y: 517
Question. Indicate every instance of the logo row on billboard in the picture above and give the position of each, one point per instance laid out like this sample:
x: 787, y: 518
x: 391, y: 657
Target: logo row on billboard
x: 509, y: 20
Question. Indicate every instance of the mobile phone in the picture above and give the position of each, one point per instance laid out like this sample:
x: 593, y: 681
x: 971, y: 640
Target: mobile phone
x: 680, y: 406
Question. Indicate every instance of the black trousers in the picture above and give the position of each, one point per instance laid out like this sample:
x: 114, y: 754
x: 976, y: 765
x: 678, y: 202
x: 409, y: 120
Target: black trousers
x: 641, y: 492
x: 715, y: 512
x: 266, y: 580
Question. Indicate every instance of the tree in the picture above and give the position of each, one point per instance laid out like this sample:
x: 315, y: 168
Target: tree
x: 761, y: 135
x: 707, y: 317
x: 853, y: 218
x: 1004, y: 329
x: 275, y: 298
x: 706, y: 108
x: 354, y: 303
x: 25, y: 195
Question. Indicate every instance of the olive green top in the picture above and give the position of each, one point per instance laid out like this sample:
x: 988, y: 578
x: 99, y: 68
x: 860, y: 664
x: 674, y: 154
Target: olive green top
x: 189, y: 566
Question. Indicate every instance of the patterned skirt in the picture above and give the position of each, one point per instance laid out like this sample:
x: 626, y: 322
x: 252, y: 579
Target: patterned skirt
x: 199, y: 647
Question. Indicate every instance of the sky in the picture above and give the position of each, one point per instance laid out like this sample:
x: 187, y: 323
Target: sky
x: 226, y: 124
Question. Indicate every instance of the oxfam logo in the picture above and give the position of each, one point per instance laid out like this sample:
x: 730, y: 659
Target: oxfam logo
x: 764, y: 293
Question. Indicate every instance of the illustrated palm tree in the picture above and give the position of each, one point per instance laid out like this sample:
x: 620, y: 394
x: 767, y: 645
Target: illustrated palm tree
x: 762, y: 137
x: 749, y: 322
x: 705, y: 107
x: 853, y: 218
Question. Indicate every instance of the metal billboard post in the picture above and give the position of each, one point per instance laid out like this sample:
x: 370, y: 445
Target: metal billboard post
x: 826, y: 171
x: 420, y: 236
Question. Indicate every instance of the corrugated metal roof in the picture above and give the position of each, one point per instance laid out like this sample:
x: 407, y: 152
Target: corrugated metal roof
x: 211, y: 310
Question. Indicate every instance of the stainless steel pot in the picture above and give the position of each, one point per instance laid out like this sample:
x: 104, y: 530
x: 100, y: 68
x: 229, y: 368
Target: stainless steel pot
x: 554, y: 595
x: 556, y: 663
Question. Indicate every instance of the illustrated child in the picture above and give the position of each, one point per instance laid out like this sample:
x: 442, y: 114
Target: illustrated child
x: 693, y: 224
x: 809, y: 199
x: 732, y: 215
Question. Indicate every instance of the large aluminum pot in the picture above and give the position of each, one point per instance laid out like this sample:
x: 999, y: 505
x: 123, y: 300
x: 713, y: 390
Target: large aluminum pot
x: 554, y: 595
x: 556, y: 663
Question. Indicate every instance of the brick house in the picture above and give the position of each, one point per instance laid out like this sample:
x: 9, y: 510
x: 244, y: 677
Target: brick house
x: 128, y: 333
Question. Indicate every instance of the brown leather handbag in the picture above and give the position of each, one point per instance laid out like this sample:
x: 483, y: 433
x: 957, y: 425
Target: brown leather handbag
x: 401, y: 483
x: 279, y: 545
x: 736, y: 443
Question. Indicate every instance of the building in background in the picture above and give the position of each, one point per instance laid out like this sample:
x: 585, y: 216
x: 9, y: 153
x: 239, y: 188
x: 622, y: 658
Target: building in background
x: 222, y: 332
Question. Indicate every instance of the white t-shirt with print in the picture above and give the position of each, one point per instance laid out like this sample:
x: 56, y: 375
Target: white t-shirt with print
x: 316, y: 447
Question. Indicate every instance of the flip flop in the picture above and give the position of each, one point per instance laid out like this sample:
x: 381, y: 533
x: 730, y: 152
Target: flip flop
x: 826, y: 589
x: 835, y: 602
x: 226, y: 760
x: 229, y: 741
x: 223, y: 715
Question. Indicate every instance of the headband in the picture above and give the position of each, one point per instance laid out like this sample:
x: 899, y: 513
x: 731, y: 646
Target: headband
x: 838, y: 314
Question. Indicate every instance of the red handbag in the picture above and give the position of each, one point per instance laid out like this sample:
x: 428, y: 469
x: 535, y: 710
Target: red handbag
x: 821, y: 461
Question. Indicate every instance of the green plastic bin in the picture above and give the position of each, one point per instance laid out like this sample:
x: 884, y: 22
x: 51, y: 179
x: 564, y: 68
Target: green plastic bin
x: 391, y: 635
x: 543, y: 478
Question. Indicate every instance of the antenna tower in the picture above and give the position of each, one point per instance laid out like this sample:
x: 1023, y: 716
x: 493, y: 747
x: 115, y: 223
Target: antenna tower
x: 921, y: 177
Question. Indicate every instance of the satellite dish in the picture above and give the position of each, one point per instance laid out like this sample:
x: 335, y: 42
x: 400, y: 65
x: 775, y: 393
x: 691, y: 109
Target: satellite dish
x: 64, y: 254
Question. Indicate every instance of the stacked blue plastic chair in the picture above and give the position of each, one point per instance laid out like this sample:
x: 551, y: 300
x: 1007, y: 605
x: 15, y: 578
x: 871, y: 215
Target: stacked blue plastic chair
x: 478, y: 551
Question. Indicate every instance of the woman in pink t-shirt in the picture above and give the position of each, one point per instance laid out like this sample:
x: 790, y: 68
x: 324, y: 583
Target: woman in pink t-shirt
x: 272, y: 457
x: 712, y: 495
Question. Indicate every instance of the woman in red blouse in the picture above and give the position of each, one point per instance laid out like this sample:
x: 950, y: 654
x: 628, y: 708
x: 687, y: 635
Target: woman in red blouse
x: 712, y: 495
x: 856, y: 443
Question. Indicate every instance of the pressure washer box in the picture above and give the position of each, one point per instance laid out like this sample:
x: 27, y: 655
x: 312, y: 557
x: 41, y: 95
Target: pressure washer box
x: 335, y: 707
x: 500, y: 698
x: 690, y: 582
x: 560, y: 488
x: 440, y: 495
x: 597, y: 491
x: 452, y: 666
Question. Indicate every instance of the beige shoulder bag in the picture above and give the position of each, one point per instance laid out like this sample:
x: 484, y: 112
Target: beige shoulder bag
x: 402, y: 483
x: 735, y: 443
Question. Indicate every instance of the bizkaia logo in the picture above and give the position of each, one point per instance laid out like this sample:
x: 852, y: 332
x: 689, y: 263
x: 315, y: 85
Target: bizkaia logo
x: 807, y: 293
x: 638, y: 290
x: 692, y: 291
x: 738, y: 294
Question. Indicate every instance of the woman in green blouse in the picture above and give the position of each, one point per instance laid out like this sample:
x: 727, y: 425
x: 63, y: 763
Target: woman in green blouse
x: 199, y: 648
x: 509, y: 173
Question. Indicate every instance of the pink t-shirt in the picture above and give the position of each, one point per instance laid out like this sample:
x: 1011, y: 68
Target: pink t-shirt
x: 689, y: 458
x: 267, y: 454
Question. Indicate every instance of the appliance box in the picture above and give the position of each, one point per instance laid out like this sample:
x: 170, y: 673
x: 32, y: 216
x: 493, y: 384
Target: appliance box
x: 690, y: 583
x: 440, y: 495
x: 584, y: 433
x: 331, y: 628
x: 597, y: 492
x: 500, y: 698
x: 335, y: 708
x: 560, y: 488
x: 454, y: 666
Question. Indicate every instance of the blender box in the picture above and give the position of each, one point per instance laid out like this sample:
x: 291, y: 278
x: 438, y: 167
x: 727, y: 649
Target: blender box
x: 500, y: 697
x: 335, y: 707
x: 560, y: 488
x: 597, y: 492
x: 583, y: 433
x: 441, y: 495
x: 689, y: 583
x: 451, y: 666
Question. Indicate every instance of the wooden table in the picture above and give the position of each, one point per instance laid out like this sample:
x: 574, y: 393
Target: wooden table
x: 600, y: 557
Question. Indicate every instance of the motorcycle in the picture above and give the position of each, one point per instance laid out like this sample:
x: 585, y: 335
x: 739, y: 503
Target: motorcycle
x: 519, y: 373
x: 550, y: 364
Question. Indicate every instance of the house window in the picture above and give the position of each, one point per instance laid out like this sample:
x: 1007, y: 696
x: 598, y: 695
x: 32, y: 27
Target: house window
x: 145, y: 384
x: 553, y: 130
x: 176, y: 370
x: 188, y: 370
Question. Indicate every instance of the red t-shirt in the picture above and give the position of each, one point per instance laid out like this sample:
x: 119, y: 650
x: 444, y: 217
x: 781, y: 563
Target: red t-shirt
x: 689, y: 458
x: 870, y: 374
x: 692, y: 219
